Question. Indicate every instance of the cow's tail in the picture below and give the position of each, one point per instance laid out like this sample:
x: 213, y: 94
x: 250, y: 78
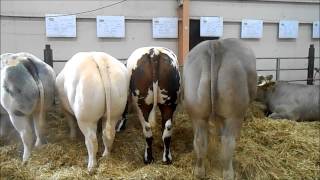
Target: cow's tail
x: 33, y: 70
x: 105, y: 76
x: 215, y: 63
x: 154, y: 58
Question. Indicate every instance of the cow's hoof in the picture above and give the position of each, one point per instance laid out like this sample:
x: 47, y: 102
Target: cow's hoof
x: 105, y: 153
x: 148, y: 161
x: 200, y: 173
x: 121, y: 126
x: 91, y: 170
x: 167, y: 162
x: 73, y: 135
x: 228, y: 175
x: 38, y: 143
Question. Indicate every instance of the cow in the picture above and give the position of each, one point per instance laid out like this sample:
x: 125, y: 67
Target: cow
x: 285, y: 100
x: 93, y: 86
x: 27, y: 92
x: 219, y: 78
x: 4, y: 122
x: 154, y: 80
x: 4, y: 116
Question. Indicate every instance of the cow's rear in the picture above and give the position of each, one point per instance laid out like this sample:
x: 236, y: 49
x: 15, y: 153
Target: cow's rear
x: 219, y: 83
x: 27, y: 92
x: 155, y: 80
x: 93, y: 86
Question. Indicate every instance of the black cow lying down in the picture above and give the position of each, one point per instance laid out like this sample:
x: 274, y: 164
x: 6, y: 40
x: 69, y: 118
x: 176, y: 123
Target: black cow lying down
x: 285, y: 100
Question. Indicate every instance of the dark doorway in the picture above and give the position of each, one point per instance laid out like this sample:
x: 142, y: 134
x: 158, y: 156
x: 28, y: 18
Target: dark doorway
x: 194, y: 34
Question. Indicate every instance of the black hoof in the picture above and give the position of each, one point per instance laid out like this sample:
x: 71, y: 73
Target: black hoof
x: 148, y: 161
x: 167, y: 162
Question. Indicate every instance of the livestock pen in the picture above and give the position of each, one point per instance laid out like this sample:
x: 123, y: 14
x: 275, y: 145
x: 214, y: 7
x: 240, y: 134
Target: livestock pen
x: 267, y: 149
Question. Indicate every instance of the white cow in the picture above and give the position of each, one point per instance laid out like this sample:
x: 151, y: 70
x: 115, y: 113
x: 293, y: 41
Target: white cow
x: 27, y: 91
x: 93, y: 86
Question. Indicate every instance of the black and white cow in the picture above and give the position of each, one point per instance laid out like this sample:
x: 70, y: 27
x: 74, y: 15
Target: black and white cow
x: 93, y: 86
x: 154, y: 81
x: 288, y: 100
x: 219, y: 84
x: 27, y: 91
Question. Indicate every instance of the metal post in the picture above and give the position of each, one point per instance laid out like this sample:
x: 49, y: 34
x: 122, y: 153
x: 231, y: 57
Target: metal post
x: 310, y: 65
x: 47, y: 54
x: 277, y: 69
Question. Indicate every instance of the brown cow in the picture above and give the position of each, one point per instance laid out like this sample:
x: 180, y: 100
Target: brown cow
x: 155, y: 80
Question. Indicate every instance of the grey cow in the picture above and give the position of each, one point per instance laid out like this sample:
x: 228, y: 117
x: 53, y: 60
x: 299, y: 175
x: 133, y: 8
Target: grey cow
x: 27, y: 91
x: 4, y: 120
x: 289, y: 101
x: 219, y: 84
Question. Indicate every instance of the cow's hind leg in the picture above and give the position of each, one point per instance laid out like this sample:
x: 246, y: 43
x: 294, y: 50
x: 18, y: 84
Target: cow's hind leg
x: 23, y: 125
x: 143, y: 113
x: 229, y: 130
x: 200, y: 143
x: 108, y: 134
x: 89, y: 130
x: 39, y: 126
x: 167, y: 114
x: 121, y: 125
x: 72, y: 123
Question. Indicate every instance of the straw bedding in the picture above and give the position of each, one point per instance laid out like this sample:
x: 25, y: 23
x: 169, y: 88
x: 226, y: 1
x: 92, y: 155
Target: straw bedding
x: 267, y: 149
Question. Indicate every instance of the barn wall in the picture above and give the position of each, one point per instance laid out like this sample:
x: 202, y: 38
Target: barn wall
x: 23, y: 27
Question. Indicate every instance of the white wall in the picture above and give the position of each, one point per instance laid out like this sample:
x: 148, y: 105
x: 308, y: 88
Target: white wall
x: 23, y: 27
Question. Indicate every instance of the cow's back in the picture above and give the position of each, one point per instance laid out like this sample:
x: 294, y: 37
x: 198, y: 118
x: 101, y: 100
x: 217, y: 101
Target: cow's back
x: 298, y: 100
x: 145, y: 68
x: 220, y: 82
x: 236, y: 80
x: 47, y: 77
x: 82, y: 76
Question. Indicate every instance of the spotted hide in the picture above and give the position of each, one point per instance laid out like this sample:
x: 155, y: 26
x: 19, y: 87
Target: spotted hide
x: 27, y: 92
x: 219, y: 83
x: 93, y: 86
x: 154, y: 80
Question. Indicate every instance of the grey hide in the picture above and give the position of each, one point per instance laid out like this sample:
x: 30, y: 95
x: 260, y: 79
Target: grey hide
x: 27, y: 91
x: 219, y: 83
x: 291, y: 101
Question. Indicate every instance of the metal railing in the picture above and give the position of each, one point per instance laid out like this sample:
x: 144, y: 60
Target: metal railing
x: 48, y: 58
x: 278, y: 69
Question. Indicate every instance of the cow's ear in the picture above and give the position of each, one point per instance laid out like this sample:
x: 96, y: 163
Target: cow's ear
x: 269, y: 77
x: 260, y: 81
x: 270, y: 84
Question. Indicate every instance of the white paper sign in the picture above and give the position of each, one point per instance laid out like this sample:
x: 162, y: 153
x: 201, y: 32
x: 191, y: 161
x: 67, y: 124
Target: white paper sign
x: 288, y: 29
x: 111, y: 26
x: 165, y: 27
x: 316, y: 29
x: 211, y: 26
x: 60, y: 26
x: 251, y: 28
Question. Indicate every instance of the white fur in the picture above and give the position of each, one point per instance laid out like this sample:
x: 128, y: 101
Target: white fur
x: 164, y: 156
x: 166, y: 132
x: 162, y: 97
x: 82, y: 92
x: 147, y: 133
x: 149, y: 99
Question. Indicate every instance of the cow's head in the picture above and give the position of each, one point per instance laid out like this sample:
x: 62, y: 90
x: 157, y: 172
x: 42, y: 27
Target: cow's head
x: 264, y: 84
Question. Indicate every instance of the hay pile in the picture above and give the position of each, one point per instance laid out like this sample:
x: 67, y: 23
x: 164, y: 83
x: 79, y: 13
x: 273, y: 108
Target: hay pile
x: 267, y: 149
